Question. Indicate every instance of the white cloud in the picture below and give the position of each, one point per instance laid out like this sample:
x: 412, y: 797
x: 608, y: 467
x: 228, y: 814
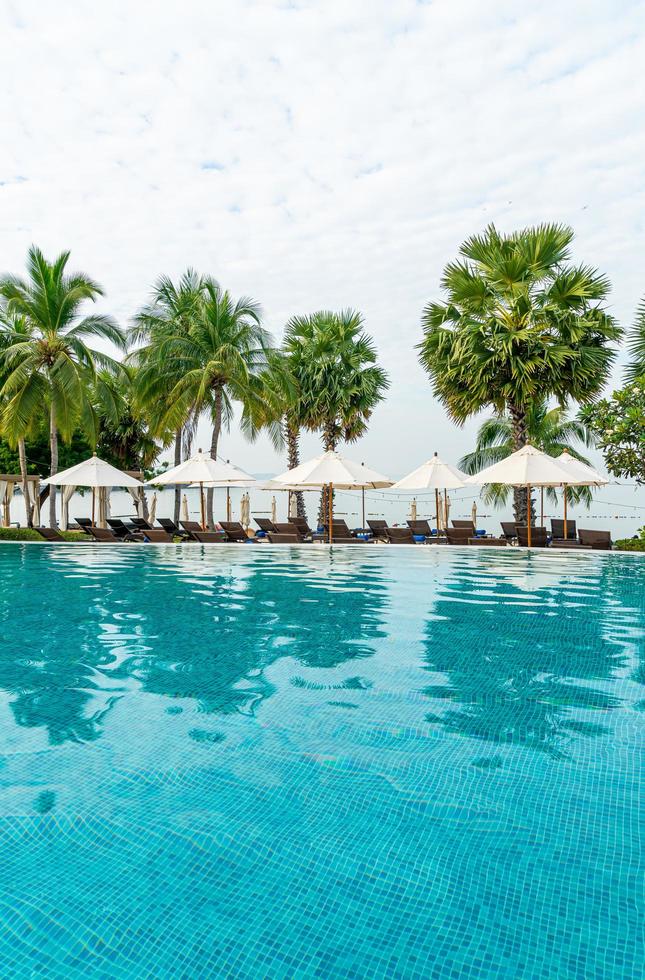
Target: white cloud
x: 322, y: 154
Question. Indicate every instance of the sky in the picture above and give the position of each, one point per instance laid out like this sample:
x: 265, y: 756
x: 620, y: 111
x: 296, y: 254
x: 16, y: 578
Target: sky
x: 322, y: 154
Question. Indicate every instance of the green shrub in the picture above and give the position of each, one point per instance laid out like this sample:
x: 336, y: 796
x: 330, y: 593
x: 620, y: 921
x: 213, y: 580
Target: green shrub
x: 630, y: 544
x: 28, y: 534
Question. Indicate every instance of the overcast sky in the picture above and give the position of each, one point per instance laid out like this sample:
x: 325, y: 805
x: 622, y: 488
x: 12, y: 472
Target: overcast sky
x: 322, y: 154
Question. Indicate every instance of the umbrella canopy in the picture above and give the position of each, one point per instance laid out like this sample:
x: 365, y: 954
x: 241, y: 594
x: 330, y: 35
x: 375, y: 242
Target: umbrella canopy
x: 92, y: 472
x: 528, y: 467
x: 200, y: 468
x: 434, y: 474
x: 580, y: 474
x: 332, y: 469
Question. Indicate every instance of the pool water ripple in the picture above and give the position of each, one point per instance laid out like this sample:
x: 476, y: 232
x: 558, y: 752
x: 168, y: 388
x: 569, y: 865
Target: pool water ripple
x: 380, y: 762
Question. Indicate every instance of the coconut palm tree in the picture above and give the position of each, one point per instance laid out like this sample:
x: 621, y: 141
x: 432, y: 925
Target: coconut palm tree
x: 10, y: 327
x: 549, y: 429
x: 217, y: 362
x: 171, y: 312
x: 338, y: 382
x: 636, y: 345
x: 519, y: 323
x: 48, y: 360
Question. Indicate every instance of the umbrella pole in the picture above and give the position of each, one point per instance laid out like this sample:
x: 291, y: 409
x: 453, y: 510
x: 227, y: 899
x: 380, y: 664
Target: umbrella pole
x: 228, y: 503
x: 565, y: 512
x: 445, y: 509
x: 528, y: 512
x: 436, y: 504
x: 363, y: 501
x: 93, y: 505
x: 331, y: 512
x: 542, y: 506
x: 201, y: 503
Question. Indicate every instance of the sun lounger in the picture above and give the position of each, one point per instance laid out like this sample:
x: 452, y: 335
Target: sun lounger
x: 399, y: 535
x: 509, y: 530
x: 105, y: 535
x: 459, y: 535
x: 208, y: 537
x: 461, y: 525
x: 557, y: 530
x: 141, y: 524
x: 539, y: 537
x: 342, y: 534
x: 301, y: 524
x: 191, y: 528
x: 171, y: 528
x: 84, y: 523
x: 599, y: 540
x: 264, y: 524
x: 280, y: 537
x: 50, y: 534
x: 119, y: 527
x: 287, y: 527
x: 154, y: 534
x: 489, y: 542
x: 420, y: 527
x: 378, y: 529
x: 235, y: 532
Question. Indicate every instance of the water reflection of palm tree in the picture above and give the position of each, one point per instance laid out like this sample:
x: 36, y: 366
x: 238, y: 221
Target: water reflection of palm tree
x: 237, y: 626
x: 515, y: 674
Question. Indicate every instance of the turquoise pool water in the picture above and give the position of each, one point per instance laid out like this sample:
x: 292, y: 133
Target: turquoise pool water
x: 256, y: 762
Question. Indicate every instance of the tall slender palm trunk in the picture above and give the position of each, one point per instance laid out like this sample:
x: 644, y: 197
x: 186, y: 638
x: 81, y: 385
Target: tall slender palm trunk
x: 520, y: 439
x: 217, y: 428
x: 22, y: 456
x: 329, y: 443
x: 177, y: 503
x: 53, y: 466
x: 292, y: 439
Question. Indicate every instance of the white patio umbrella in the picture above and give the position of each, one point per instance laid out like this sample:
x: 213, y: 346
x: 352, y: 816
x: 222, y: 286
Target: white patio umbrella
x: 184, y: 508
x: 94, y: 473
x: 413, y: 509
x: 528, y: 467
x: 332, y: 470
x: 435, y: 475
x: 245, y: 510
x: 473, y: 513
x: 581, y: 475
x: 203, y: 470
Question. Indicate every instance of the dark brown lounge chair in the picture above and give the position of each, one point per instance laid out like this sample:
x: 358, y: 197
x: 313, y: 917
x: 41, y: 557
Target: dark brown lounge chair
x: 50, y: 534
x: 141, y: 524
x: 279, y: 537
x: 399, y: 535
x: 539, y: 537
x: 234, y: 531
x: 119, y: 527
x: 155, y: 534
x: 208, y: 537
x: 301, y: 524
x: 104, y: 535
x: 288, y: 527
x: 489, y: 542
x: 378, y: 529
x: 459, y: 535
x: 342, y: 534
x: 194, y: 527
x: 460, y: 525
x: 557, y: 530
x: 171, y: 528
x: 420, y: 527
x: 84, y: 523
x: 599, y: 540
x: 264, y: 524
x: 509, y: 530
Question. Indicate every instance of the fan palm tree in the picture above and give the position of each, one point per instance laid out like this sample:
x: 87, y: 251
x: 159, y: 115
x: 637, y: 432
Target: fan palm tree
x: 549, y: 429
x: 217, y: 362
x: 338, y: 381
x: 519, y: 323
x: 171, y: 312
x: 636, y: 345
x: 48, y: 360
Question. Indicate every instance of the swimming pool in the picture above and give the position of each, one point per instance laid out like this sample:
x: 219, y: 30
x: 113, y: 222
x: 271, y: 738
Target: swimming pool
x: 286, y: 762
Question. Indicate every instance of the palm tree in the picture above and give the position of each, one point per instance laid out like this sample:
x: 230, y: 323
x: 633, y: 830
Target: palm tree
x: 636, y: 345
x: 10, y: 327
x: 48, y: 360
x: 549, y: 429
x: 217, y: 362
x: 519, y: 323
x: 338, y: 382
x: 171, y: 312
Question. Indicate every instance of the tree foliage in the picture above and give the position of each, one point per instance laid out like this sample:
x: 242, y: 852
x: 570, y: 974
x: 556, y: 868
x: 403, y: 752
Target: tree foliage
x: 618, y: 424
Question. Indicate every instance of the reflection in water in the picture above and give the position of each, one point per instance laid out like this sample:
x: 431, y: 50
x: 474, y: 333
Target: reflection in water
x: 496, y: 637
x: 177, y: 624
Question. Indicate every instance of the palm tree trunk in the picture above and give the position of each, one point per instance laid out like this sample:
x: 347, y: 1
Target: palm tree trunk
x: 22, y: 456
x: 177, y: 505
x: 53, y: 466
x: 217, y: 428
x: 329, y: 443
x: 292, y: 439
x: 520, y: 439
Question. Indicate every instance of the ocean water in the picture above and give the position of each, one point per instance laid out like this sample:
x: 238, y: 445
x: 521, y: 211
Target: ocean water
x: 250, y: 761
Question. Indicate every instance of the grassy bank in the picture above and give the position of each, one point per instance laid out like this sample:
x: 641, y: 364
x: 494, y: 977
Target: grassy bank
x: 27, y: 534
